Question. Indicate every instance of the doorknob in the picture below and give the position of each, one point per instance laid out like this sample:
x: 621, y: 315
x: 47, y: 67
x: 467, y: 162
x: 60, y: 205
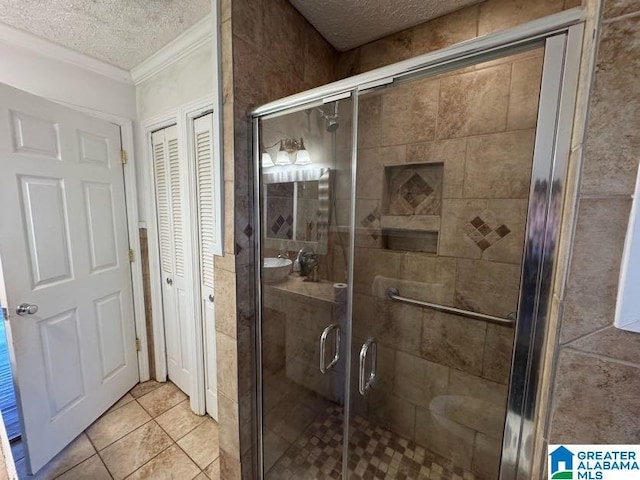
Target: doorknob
x: 169, y: 281
x: 26, y: 309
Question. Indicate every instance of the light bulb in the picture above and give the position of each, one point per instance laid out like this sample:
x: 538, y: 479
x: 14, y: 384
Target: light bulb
x: 303, y: 157
x: 267, y: 161
x: 283, y: 157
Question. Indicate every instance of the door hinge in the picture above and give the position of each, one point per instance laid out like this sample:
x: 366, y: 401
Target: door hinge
x: 138, y: 347
x: 123, y: 156
x: 131, y: 255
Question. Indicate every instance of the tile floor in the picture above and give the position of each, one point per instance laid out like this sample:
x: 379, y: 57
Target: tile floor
x: 376, y: 453
x: 150, y: 433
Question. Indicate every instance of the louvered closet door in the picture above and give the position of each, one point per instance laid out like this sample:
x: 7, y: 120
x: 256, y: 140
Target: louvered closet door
x: 204, y: 173
x: 166, y: 159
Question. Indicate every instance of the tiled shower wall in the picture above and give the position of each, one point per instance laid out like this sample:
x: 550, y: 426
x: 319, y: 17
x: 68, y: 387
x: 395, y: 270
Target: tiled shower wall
x: 443, y: 379
x: 596, y: 385
x: 264, y: 60
x: 268, y: 51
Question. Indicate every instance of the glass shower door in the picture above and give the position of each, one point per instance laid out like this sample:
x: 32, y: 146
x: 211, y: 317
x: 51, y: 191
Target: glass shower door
x: 305, y: 180
x: 442, y: 190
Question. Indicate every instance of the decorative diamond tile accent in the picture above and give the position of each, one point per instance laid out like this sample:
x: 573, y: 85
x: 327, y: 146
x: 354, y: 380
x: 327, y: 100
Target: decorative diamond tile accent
x: 248, y: 231
x: 482, y: 234
x: 376, y: 453
x: 289, y: 220
x: 415, y: 190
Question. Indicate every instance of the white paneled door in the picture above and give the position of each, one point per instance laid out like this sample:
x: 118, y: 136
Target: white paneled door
x: 171, y: 223
x: 64, y: 252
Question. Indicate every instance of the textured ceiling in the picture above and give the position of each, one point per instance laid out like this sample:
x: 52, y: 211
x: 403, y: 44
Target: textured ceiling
x: 350, y: 23
x: 120, y: 32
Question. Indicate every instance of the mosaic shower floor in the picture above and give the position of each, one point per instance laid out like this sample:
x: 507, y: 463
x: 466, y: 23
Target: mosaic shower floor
x: 376, y: 453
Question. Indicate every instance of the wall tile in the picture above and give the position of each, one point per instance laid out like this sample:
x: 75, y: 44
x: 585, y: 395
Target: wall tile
x: 499, y: 165
x: 225, y: 302
x: 611, y: 342
x: 420, y: 381
x: 526, y: 76
x: 474, y: 103
x: 445, y: 437
x: 248, y: 22
x: 427, y: 278
x: 502, y: 14
x: 486, y: 456
x: 228, y: 356
x: 614, y: 116
x: 595, y: 264
x: 477, y: 403
x: 451, y: 153
x: 370, y: 263
x: 228, y: 429
x: 387, y: 50
x: 596, y: 401
x: 488, y: 229
x: 453, y: 341
x: 447, y: 30
x: 498, y: 348
x: 370, y: 174
x: 409, y: 112
x: 615, y: 8
x: 487, y: 287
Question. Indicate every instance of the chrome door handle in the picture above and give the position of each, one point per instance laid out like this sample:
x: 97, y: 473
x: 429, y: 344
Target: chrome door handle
x: 26, y: 309
x: 323, y: 345
x: 365, y: 384
x: 169, y: 281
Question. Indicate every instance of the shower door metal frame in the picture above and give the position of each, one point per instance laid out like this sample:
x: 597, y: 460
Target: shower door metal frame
x: 561, y: 34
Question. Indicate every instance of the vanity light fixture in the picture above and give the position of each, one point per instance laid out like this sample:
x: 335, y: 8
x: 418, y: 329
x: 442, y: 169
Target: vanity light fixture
x: 288, y: 147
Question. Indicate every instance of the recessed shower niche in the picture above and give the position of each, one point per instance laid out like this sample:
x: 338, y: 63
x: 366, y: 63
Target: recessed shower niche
x: 411, y: 207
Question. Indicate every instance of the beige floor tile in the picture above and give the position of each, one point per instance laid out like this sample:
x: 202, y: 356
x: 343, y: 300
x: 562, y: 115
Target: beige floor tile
x: 144, y: 388
x: 213, y: 471
x: 131, y: 452
x: 202, y: 443
x: 76, y: 452
x: 115, y: 425
x: 179, y: 420
x: 162, y: 399
x: 171, y: 464
x: 92, y: 468
x: 128, y: 398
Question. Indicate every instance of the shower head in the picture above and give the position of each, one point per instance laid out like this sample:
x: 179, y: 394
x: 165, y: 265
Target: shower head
x: 332, y: 124
x: 331, y: 120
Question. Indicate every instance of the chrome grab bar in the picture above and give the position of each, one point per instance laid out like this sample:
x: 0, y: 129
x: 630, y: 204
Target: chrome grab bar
x: 394, y: 295
x: 323, y: 344
x: 365, y: 384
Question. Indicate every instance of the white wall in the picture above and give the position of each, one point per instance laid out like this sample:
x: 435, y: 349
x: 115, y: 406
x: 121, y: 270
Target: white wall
x: 65, y: 82
x: 187, y: 80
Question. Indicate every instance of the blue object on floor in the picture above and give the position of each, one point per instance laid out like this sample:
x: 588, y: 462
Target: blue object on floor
x: 7, y: 393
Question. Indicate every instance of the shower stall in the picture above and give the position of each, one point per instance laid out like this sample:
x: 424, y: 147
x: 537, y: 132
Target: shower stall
x: 407, y: 236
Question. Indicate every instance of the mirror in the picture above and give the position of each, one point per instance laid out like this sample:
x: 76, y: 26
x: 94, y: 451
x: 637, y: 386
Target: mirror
x: 297, y: 209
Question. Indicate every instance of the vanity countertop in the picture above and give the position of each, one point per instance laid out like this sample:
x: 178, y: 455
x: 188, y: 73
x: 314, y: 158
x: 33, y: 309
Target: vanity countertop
x: 322, y: 290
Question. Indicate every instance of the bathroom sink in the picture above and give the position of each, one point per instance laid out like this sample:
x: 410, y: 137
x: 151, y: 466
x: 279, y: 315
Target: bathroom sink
x: 275, y: 270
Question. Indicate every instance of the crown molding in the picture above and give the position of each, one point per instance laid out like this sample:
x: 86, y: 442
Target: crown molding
x: 187, y: 42
x: 49, y: 49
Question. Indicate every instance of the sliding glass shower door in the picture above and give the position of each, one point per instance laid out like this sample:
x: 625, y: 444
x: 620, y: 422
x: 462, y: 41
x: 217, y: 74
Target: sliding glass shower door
x: 442, y: 189
x: 407, y: 246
